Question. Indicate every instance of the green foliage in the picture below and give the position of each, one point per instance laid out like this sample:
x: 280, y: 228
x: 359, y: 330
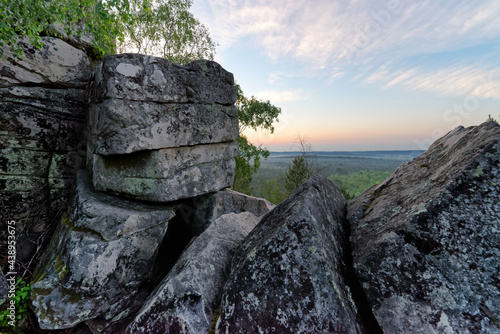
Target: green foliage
x: 104, y: 20
x: 164, y: 28
x: 167, y: 29
x: 353, y: 184
x: 491, y: 119
x: 273, y: 191
x: 297, y: 174
x: 22, y: 301
x: 347, y: 194
x: 254, y: 114
x: 247, y: 164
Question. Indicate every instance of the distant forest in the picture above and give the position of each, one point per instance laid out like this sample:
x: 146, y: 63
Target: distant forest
x: 354, y: 172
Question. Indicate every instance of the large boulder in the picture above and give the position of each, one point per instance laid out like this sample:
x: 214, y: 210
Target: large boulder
x: 99, y: 260
x: 426, y: 241
x: 42, y: 142
x: 187, y: 299
x: 160, y: 131
x: 289, y: 275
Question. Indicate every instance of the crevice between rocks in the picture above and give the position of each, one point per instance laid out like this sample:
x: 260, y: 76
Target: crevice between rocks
x: 174, y: 242
x: 365, y: 314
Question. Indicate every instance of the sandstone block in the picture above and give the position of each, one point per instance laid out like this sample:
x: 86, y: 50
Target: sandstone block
x: 152, y: 79
x: 167, y: 174
x: 123, y: 126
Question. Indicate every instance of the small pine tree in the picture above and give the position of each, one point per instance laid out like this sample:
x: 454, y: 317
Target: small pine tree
x: 297, y: 174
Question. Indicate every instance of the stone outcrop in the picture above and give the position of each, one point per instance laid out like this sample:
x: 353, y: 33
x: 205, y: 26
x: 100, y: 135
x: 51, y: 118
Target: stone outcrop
x: 168, y: 174
x: 207, y: 209
x: 42, y: 142
x: 187, y: 299
x: 98, y: 261
x: 160, y: 131
x: 426, y: 241
x: 289, y: 274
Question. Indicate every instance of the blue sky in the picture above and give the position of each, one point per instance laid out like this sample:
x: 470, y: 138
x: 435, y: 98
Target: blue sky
x: 360, y: 74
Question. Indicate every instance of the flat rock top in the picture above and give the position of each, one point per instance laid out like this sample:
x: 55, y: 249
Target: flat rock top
x: 153, y: 79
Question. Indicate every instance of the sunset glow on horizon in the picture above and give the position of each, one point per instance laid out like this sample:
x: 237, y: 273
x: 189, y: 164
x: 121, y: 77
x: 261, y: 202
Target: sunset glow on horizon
x: 361, y: 75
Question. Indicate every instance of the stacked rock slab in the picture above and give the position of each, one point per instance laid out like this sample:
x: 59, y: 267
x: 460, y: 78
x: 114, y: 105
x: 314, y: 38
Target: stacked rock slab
x: 160, y: 131
x: 42, y: 137
x: 290, y: 273
x: 426, y: 242
x: 97, y: 265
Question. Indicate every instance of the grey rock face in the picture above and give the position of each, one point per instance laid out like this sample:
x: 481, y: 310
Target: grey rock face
x: 426, y: 242
x: 168, y: 174
x: 97, y: 260
x: 42, y: 142
x: 152, y: 79
x: 206, y: 209
x: 186, y: 300
x: 56, y: 64
x: 122, y: 126
x: 288, y: 274
x: 160, y: 131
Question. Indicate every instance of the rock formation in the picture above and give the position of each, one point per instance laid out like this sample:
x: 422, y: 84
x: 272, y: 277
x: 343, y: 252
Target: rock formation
x: 159, y: 131
x: 98, y: 259
x: 187, y: 299
x: 289, y: 274
x: 153, y: 242
x: 426, y: 241
x: 208, y: 209
x: 42, y: 142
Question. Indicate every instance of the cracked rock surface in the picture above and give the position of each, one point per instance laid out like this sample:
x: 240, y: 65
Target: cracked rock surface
x: 42, y: 138
x: 289, y: 275
x: 97, y: 261
x: 426, y: 241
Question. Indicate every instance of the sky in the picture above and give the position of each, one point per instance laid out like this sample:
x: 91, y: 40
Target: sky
x: 361, y: 74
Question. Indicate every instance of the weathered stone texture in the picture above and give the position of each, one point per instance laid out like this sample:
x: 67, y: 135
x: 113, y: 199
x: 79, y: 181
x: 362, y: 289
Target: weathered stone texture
x: 187, y: 299
x: 123, y: 126
x: 160, y: 131
x: 152, y: 79
x: 289, y: 274
x: 206, y: 209
x: 56, y: 64
x: 426, y: 241
x: 42, y: 142
x: 168, y: 174
x: 97, y: 261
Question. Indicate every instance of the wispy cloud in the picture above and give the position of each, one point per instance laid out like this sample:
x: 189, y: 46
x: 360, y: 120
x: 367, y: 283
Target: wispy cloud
x: 330, y: 35
x: 282, y: 96
x: 329, y: 31
x: 455, y: 80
